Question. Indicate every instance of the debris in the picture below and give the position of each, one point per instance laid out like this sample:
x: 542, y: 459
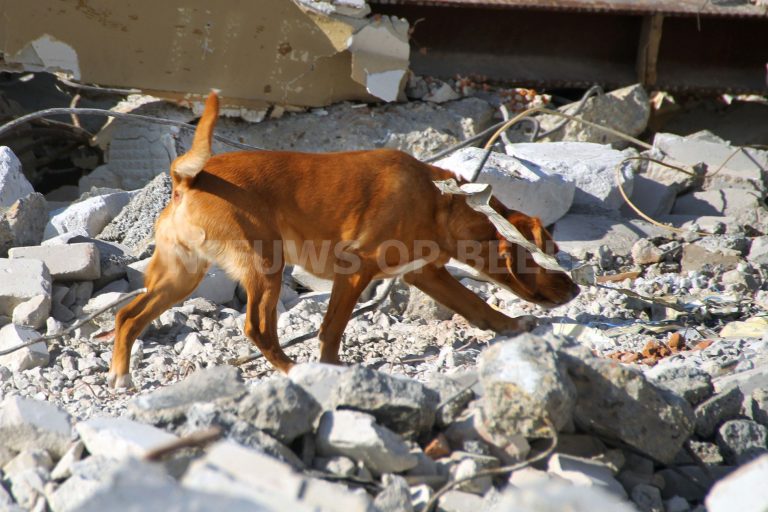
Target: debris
x: 518, y: 183
x: 73, y: 262
x: 13, y: 183
x: 89, y: 215
x: 121, y: 438
x: 585, y: 473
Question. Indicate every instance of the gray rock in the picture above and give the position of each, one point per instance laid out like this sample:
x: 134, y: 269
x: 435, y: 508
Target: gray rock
x: 32, y: 313
x: 114, y: 259
x: 395, y: 497
x: 711, y: 413
x: 757, y: 406
x: 692, y: 383
x: 469, y: 465
x: 121, y: 438
x: 319, y: 380
x: 523, y: 385
x: 554, y: 496
x: 27, y: 423
x: 29, y: 458
x: 585, y: 473
x: 231, y: 470
x: 422, y: 306
x: 620, y: 403
x: 74, y: 262
x: 23, y: 222
x: 677, y: 504
x: 743, y: 490
x: 578, y: 233
x: 134, y: 226
x: 652, y: 196
x: 644, y: 252
x: 647, y: 498
x: 591, y: 167
x: 357, y: 436
x: 28, y: 488
x: 741, y: 441
x: 25, y: 358
x: 690, y: 482
x: 30, y: 279
x: 280, y: 408
x: 90, y: 215
x: 626, y: 110
x: 453, y: 395
x: 403, y: 405
x: 13, y: 183
x: 137, y: 485
x: 517, y: 183
x: 169, y: 404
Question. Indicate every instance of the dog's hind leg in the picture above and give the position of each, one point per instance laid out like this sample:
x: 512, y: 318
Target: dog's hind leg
x: 168, y: 281
x: 344, y: 294
x: 261, y: 317
x: 439, y: 284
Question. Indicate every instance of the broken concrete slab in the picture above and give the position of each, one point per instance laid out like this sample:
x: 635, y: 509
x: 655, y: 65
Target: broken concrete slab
x: 13, y: 184
x: 578, y: 234
x: 727, y: 166
x: 620, y: 403
x: 280, y: 408
x: 134, y: 225
x: 737, y: 203
x: 121, y: 438
x: 403, y: 405
x: 303, y: 57
x: 591, y: 167
x: 626, y: 110
x: 357, y: 435
x: 23, y: 222
x: 523, y: 388
x: 517, y: 183
x: 743, y: 490
x: 27, y: 424
x: 585, y: 473
x: 22, y: 281
x: 89, y: 215
x: 73, y: 262
x: 167, y: 404
x: 32, y: 356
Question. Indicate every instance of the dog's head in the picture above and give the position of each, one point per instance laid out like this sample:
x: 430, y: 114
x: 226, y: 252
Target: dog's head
x: 524, y: 276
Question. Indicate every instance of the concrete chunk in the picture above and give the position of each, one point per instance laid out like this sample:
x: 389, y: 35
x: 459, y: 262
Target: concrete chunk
x: 743, y: 490
x: 75, y: 262
x: 20, y: 281
x: 13, y: 184
x: 517, y: 183
x: 357, y: 436
x: 120, y: 438
x: 591, y: 167
x: 90, y: 215
x: 23, y: 222
x: 523, y: 385
x: 586, y: 473
x: 25, y: 358
x: 27, y: 423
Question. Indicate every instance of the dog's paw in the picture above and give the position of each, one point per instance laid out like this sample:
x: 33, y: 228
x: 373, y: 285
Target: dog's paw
x: 526, y: 323
x: 115, y: 381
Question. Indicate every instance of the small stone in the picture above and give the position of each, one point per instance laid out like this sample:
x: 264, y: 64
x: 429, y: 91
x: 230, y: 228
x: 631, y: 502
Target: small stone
x: 356, y: 435
x: 395, y: 497
x: 645, y: 253
x: 337, y: 465
x: 647, y: 498
x: 677, y: 504
x: 741, y: 441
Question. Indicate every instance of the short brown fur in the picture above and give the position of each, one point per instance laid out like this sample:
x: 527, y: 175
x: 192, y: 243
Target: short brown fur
x: 240, y: 209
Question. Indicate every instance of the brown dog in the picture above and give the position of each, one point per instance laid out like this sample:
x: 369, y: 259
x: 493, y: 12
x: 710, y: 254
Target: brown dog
x: 350, y: 217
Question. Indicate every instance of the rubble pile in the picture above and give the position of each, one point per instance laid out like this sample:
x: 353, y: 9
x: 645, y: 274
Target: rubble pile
x: 652, y: 384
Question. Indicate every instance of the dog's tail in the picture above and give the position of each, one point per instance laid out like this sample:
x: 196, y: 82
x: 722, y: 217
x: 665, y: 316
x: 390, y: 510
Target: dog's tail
x: 192, y: 162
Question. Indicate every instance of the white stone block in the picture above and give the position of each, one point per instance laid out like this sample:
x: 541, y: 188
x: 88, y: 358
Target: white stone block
x: 74, y: 262
x: 120, y: 438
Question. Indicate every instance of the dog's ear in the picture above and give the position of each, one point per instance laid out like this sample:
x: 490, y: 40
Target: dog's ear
x: 192, y: 162
x: 532, y: 229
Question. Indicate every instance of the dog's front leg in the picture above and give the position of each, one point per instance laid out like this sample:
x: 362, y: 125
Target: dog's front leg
x: 344, y: 294
x: 439, y: 284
